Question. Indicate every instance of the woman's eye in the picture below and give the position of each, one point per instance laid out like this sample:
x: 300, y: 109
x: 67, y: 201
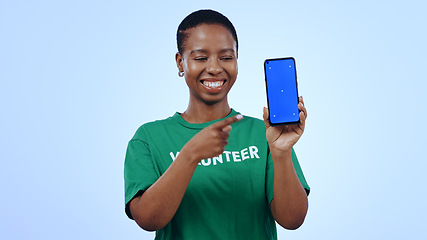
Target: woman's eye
x: 227, y: 58
x: 201, y: 59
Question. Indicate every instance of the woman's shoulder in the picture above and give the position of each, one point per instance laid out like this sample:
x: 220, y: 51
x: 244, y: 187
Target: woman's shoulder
x: 253, y: 120
x: 253, y: 123
x: 152, y: 127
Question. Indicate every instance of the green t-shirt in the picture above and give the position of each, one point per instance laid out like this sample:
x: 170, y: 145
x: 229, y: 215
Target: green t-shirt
x: 228, y: 196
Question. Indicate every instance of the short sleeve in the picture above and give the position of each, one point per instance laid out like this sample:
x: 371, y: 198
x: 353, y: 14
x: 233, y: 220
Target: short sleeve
x: 270, y: 175
x: 139, y: 172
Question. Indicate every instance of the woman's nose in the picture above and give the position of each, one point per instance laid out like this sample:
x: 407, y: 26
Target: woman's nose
x: 214, y: 67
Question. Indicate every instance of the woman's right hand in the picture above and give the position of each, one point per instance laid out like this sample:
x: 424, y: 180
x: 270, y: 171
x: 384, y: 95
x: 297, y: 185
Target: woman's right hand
x: 210, y: 141
x: 158, y: 204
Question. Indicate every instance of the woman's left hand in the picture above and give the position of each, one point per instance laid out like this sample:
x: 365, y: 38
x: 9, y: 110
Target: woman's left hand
x: 283, y: 138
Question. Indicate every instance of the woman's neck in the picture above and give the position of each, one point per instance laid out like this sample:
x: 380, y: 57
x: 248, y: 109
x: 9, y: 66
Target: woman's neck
x: 200, y: 112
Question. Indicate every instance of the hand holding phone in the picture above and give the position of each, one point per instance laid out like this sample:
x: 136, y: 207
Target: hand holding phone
x: 282, y: 91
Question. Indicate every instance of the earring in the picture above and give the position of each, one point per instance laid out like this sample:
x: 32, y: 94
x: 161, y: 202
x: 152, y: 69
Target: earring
x: 181, y: 73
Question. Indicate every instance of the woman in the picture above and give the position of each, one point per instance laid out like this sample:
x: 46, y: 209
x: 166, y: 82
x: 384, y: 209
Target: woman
x: 190, y: 177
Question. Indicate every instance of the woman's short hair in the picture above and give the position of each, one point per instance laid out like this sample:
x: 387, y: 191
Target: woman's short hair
x: 199, y: 17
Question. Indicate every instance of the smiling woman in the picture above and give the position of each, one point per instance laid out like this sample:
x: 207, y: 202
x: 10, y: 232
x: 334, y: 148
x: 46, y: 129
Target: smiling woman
x: 209, y: 63
x: 190, y: 177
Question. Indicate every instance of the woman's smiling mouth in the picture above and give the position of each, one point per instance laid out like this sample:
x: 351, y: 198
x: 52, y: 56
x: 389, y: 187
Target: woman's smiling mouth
x: 213, y: 86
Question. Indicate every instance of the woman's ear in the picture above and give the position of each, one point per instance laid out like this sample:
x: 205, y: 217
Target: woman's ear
x: 179, y: 62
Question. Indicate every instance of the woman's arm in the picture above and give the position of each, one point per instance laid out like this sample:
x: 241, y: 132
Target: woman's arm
x: 158, y: 204
x: 289, y: 205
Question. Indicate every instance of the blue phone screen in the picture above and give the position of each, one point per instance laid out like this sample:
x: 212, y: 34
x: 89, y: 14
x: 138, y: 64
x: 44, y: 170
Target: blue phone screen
x: 282, y: 93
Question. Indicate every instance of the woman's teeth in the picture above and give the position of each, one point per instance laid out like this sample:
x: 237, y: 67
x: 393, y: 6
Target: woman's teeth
x: 213, y: 84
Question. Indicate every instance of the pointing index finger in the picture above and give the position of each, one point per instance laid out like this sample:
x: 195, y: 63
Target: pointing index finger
x: 228, y: 121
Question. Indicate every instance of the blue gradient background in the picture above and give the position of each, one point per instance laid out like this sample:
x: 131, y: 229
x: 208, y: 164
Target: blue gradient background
x: 79, y: 77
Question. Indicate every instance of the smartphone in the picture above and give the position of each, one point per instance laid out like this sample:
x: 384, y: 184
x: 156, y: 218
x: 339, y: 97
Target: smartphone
x: 282, y: 90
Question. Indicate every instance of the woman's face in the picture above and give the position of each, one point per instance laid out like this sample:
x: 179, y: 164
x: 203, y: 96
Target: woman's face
x: 209, y: 62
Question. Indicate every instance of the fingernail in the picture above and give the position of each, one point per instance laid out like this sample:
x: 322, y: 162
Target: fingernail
x: 239, y: 117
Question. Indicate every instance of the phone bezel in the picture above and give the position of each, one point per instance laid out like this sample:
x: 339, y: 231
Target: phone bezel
x: 266, y: 89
